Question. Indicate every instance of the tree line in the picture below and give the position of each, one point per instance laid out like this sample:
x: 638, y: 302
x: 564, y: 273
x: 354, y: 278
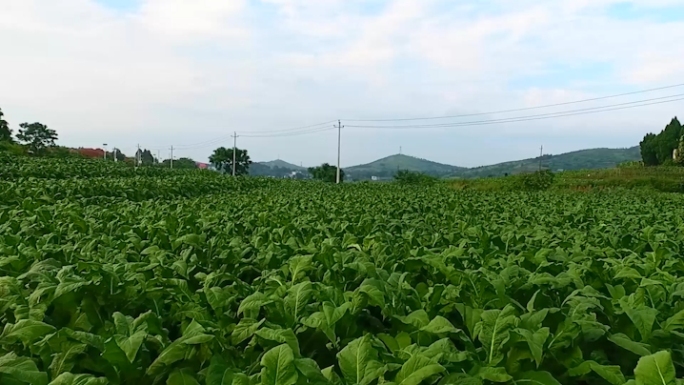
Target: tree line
x: 665, y: 148
x: 37, y: 139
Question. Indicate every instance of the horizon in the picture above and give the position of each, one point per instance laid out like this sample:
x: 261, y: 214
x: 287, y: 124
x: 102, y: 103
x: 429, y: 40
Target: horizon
x: 160, y: 73
x: 446, y: 164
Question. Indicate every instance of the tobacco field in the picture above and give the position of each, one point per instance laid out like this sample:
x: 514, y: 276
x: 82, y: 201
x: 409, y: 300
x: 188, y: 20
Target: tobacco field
x: 109, y: 276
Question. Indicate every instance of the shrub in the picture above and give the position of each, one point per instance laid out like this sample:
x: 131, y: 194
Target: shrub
x: 414, y: 178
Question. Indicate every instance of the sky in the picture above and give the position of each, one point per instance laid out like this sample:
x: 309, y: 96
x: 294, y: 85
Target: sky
x: 190, y: 73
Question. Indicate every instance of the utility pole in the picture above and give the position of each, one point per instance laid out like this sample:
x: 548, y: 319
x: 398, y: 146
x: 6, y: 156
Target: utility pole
x: 541, y: 151
x: 171, y: 160
x: 105, y: 150
x: 234, y: 150
x: 114, y: 151
x: 339, y: 139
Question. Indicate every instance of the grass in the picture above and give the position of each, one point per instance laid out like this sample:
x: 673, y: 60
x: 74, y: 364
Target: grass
x: 663, y: 179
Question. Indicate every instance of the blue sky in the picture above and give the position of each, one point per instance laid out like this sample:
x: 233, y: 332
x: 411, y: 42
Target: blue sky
x: 189, y: 73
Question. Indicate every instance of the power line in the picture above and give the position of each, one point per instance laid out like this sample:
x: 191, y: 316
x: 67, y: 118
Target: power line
x: 258, y: 134
x: 582, y: 111
x: 521, y: 109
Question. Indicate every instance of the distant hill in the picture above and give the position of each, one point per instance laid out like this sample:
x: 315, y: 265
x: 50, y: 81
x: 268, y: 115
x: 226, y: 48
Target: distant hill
x: 276, y: 168
x: 282, y: 164
x: 388, y: 166
x: 385, y: 168
x: 575, y: 160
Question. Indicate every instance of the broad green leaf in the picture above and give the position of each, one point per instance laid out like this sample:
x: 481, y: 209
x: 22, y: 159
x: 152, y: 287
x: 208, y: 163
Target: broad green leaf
x: 494, y: 331
x: 460, y: 379
x: 278, y: 367
x: 219, y: 373
x: 244, y: 330
x: 131, y: 345
x: 182, y: 377
x: 26, y: 331
x: 643, y: 318
x: 281, y: 336
x: 358, y: 362
x: 373, y: 289
x: 417, y: 369
x: 655, y: 369
x: 676, y: 322
x: 173, y: 353
x: 22, y: 369
x: 310, y: 369
x: 418, y: 318
x: 298, y: 266
x: 297, y: 298
x: 535, y: 341
x: 78, y: 379
x: 494, y: 374
x: 536, y: 378
x: 439, y: 325
x: 253, y: 302
x: 626, y: 343
x: 612, y: 374
x: 64, y: 360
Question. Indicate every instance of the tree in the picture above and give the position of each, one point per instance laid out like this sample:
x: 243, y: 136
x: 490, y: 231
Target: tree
x: 182, y: 163
x: 37, y: 137
x: 5, y: 131
x: 648, y: 150
x: 120, y: 156
x: 222, y: 159
x: 326, y: 173
x: 145, y: 156
x: 658, y: 149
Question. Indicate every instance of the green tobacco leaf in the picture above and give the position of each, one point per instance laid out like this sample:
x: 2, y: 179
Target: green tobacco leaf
x: 676, y: 322
x: 460, y: 379
x: 536, y: 378
x: 310, y: 369
x: 280, y: 336
x: 277, y: 367
x: 656, y: 369
x: 416, y: 369
x: 494, y: 331
x: 358, y: 362
x: 244, y: 330
x: 26, y: 331
x: 253, y: 302
x: 297, y: 298
x: 299, y: 265
x: 626, y: 343
x: 131, y: 345
x: 182, y: 377
x: 174, y: 352
x: 219, y: 373
x: 643, y: 318
x: 494, y: 374
x: 64, y: 360
x: 535, y: 341
x: 78, y: 379
x: 418, y: 318
x: 22, y: 369
x: 439, y: 325
x: 612, y: 374
x: 372, y: 288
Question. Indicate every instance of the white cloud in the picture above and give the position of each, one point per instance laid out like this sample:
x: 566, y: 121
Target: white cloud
x: 173, y: 71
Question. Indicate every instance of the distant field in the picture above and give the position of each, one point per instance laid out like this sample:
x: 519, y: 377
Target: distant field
x: 663, y: 179
x: 111, y: 275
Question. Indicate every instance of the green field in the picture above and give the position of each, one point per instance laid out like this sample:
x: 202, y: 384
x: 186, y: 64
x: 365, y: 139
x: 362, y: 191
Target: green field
x: 111, y: 275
